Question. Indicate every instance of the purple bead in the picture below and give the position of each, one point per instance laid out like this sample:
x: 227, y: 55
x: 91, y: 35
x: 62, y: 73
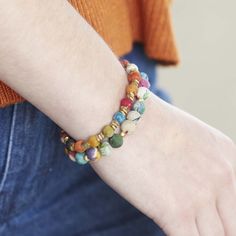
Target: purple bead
x: 144, y: 83
x: 91, y: 153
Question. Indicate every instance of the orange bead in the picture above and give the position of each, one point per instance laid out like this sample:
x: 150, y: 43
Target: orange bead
x: 93, y: 142
x: 134, y: 76
x: 132, y: 88
x: 78, y: 147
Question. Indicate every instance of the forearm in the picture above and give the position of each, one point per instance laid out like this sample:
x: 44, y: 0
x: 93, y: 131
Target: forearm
x: 52, y: 57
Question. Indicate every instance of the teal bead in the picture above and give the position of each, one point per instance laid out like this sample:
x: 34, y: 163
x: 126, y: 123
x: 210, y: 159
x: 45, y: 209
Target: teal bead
x: 116, y: 140
x: 144, y: 75
x: 119, y: 117
x: 105, y: 149
x: 139, y: 107
x: 79, y: 157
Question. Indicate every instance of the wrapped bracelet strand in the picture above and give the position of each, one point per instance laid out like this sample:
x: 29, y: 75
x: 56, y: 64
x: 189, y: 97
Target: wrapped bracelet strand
x: 123, y: 122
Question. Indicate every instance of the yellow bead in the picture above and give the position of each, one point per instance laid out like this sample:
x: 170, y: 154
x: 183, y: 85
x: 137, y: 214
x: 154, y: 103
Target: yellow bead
x: 93, y: 142
x: 108, y: 131
x: 132, y: 88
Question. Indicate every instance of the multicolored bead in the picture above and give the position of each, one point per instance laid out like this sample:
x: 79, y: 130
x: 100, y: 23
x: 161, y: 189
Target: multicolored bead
x: 132, y: 88
x: 134, y: 116
x: 126, y: 102
x: 144, y: 83
x: 92, y: 154
x: 79, y: 147
x: 80, y: 158
x: 139, y: 107
x: 144, y: 75
x: 131, y: 67
x: 143, y: 93
x: 70, y: 144
x: 71, y: 155
x: 105, y: 149
x: 116, y: 140
x: 128, y: 127
x: 108, y: 131
x: 119, y: 117
x: 134, y: 76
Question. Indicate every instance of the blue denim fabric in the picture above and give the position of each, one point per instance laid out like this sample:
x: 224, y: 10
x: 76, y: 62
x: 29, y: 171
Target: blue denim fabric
x: 43, y: 193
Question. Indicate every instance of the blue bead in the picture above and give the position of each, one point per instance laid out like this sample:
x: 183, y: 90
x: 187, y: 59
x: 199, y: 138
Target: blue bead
x: 139, y: 107
x: 144, y: 75
x: 80, y: 158
x: 119, y: 117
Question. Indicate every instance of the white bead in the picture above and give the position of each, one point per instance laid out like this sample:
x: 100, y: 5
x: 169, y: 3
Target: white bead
x: 131, y: 67
x: 143, y: 93
x: 128, y: 126
x: 133, y: 116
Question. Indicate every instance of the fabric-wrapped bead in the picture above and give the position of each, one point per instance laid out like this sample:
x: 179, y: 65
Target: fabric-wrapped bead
x: 131, y: 67
x: 93, y: 142
x: 79, y: 147
x: 143, y: 93
x: 144, y: 75
x: 70, y: 144
x: 126, y: 102
x: 139, y: 107
x: 116, y: 141
x: 71, y: 155
x: 93, y: 154
x: 119, y: 117
x: 132, y: 88
x: 108, y: 131
x: 144, y: 83
x: 105, y: 149
x: 80, y: 158
x: 133, y: 116
x: 128, y: 126
x: 134, y: 76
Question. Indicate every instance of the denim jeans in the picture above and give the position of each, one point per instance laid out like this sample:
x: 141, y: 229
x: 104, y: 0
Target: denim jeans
x: 43, y: 193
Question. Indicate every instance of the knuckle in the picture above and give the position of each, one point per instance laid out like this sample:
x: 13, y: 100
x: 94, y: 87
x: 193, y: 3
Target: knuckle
x: 225, y: 173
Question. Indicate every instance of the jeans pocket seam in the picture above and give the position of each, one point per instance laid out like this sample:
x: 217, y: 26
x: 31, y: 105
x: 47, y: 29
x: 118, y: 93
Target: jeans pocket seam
x: 9, y: 148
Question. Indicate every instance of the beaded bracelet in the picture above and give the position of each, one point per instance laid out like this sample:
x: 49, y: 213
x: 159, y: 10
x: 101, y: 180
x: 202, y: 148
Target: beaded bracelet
x: 123, y: 122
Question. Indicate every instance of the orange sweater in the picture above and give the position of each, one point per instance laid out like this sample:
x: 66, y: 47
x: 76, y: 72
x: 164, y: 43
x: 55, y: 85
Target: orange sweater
x: 120, y: 23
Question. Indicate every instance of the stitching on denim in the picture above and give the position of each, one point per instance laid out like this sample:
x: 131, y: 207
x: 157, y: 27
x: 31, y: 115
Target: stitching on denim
x: 9, y: 148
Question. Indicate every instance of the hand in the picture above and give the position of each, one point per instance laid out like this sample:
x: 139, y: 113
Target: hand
x: 178, y: 171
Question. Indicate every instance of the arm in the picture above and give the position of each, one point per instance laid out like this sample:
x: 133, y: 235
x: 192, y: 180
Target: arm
x: 53, y: 58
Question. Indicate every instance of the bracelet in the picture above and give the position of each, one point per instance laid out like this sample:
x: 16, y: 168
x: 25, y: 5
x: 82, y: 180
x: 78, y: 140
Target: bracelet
x: 123, y: 122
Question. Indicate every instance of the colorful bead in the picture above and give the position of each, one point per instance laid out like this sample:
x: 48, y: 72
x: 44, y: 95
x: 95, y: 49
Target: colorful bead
x: 105, y: 149
x: 124, y: 62
x: 128, y: 126
x: 144, y: 75
x: 119, y: 116
x: 78, y: 147
x: 133, y: 116
x: 108, y: 131
x: 144, y: 83
x: 64, y: 137
x: 71, y: 155
x: 131, y: 67
x: 80, y: 158
x: 143, y: 93
x: 93, y: 142
x: 116, y: 141
x: 139, y: 107
x: 93, y: 154
x: 126, y: 102
x: 134, y: 76
x: 70, y: 144
x: 132, y: 88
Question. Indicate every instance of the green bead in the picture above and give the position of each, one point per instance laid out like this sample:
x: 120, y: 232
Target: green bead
x: 116, y: 141
x: 80, y: 158
x: 105, y: 149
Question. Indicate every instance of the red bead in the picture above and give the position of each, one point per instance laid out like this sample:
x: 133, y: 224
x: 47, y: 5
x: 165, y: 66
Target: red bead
x: 126, y: 102
x: 124, y: 62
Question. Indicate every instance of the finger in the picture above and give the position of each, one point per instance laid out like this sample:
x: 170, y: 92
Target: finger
x: 209, y: 223
x: 226, y: 205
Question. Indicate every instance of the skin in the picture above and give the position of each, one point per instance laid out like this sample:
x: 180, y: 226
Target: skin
x: 176, y: 169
